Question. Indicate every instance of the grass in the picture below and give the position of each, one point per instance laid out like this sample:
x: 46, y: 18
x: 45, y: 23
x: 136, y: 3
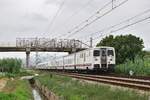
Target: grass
x: 68, y: 89
x: 16, y: 90
x: 22, y: 72
x: 139, y: 67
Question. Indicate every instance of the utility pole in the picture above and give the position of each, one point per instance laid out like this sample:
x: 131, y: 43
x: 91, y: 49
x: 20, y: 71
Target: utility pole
x: 112, y: 4
x: 91, y: 42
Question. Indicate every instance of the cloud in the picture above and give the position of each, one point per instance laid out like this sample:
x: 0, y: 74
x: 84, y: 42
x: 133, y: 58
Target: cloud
x: 50, y: 2
x: 36, y: 17
x: 21, y: 18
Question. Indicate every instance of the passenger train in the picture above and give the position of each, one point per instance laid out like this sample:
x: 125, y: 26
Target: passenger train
x: 92, y: 59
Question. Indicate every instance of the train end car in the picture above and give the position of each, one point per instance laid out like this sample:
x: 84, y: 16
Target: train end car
x: 104, y: 58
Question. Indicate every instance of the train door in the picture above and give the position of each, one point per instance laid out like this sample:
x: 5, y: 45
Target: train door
x: 111, y: 59
x: 96, y: 59
x: 103, y: 58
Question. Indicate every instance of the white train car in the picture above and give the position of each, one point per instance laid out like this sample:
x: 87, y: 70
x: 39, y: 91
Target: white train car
x: 60, y: 63
x: 69, y: 61
x: 91, y: 59
x: 84, y: 60
x: 98, y: 58
x: 42, y: 65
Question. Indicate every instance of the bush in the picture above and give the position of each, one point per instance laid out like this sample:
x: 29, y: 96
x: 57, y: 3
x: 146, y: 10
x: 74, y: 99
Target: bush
x: 139, y: 67
x: 10, y: 65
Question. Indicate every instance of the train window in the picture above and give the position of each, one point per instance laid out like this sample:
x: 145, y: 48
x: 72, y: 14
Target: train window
x: 96, y: 53
x: 110, y: 52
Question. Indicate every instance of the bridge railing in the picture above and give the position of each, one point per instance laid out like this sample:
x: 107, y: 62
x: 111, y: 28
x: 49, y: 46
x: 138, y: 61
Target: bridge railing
x: 49, y: 43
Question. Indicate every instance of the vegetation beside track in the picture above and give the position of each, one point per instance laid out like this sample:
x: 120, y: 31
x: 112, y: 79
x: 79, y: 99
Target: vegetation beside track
x: 16, y: 90
x: 22, y: 72
x: 140, y: 67
x: 10, y: 65
x: 68, y: 89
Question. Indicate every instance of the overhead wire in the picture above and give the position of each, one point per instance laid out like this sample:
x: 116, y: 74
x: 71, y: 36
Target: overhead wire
x: 78, y: 11
x: 74, y: 14
x: 55, y: 16
x: 112, y: 31
x: 122, y: 22
x: 90, y: 16
x: 95, y: 19
x: 99, y: 10
x: 141, y: 20
x: 93, y: 15
x: 123, y: 27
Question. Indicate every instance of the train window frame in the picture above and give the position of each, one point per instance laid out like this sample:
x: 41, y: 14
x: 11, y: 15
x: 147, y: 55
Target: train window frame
x: 96, y: 53
x: 112, y: 52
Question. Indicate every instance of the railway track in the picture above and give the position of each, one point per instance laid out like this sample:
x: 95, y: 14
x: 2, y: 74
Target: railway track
x: 141, y: 84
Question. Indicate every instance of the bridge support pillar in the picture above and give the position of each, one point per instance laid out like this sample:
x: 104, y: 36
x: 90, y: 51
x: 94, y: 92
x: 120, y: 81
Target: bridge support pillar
x: 27, y: 58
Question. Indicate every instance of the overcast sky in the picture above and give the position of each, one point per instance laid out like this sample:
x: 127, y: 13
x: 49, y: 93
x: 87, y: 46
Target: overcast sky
x: 33, y: 18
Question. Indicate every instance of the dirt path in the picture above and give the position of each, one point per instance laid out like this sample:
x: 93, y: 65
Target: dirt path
x: 2, y: 83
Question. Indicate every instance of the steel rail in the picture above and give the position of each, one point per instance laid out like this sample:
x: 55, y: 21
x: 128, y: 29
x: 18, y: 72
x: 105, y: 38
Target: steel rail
x: 140, y: 84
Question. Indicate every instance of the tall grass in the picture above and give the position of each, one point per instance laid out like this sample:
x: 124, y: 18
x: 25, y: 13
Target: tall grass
x: 68, y: 89
x: 16, y: 90
x: 10, y: 65
x: 138, y: 67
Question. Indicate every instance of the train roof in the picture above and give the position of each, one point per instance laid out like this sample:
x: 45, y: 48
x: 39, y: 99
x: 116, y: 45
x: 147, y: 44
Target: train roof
x: 103, y: 47
x: 90, y: 48
x: 81, y: 51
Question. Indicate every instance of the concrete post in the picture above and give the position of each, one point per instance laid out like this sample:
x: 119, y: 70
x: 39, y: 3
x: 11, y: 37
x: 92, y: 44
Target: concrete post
x: 27, y: 57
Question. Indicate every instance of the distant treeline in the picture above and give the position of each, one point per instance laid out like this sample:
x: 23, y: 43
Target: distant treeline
x: 10, y: 65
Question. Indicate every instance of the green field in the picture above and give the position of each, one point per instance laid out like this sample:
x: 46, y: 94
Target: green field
x: 68, y: 89
x: 16, y: 90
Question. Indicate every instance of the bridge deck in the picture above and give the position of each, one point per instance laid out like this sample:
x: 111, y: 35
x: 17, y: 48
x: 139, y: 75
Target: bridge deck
x: 21, y: 49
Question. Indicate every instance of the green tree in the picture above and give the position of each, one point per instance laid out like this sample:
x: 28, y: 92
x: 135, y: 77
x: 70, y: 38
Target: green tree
x: 126, y: 46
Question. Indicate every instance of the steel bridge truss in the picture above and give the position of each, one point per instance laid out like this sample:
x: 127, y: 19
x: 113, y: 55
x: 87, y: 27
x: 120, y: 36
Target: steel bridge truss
x: 49, y: 43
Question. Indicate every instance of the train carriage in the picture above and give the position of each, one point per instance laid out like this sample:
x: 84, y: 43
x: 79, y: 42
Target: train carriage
x: 69, y: 61
x: 98, y: 58
x: 84, y: 59
x: 60, y: 64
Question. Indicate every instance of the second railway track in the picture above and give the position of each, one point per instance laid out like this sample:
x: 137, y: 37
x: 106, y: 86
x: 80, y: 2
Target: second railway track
x: 140, y: 84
